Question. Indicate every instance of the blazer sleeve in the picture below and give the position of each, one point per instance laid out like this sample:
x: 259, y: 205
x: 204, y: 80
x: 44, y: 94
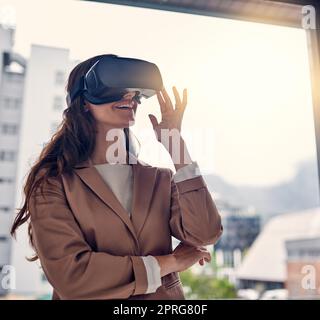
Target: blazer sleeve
x: 69, y: 263
x: 194, y: 217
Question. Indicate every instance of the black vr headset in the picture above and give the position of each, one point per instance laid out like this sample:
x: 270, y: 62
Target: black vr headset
x: 111, y: 77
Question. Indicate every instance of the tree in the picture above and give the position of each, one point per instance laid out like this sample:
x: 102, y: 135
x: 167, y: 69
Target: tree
x: 206, y: 287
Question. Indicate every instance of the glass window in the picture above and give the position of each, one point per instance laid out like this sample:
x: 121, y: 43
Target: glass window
x: 17, y: 103
x: 11, y: 103
x: 9, y: 128
x: 7, y: 155
x: 59, y: 77
x: 5, y: 180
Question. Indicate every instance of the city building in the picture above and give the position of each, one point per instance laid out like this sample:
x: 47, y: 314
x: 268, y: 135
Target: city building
x: 32, y: 100
x: 240, y: 228
x: 265, y: 265
x: 12, y: 79
x: 303, y: 268
x: 43, y: 105
x: 239, y: 232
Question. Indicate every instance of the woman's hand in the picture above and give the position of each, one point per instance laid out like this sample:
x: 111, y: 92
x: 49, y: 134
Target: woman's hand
x: 182, y: 258
x: 187, y: 255
x: 171, y: 118
x: 168, y: 130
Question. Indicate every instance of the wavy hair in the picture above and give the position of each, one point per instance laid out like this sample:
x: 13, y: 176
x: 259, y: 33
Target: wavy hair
x: 72, y: 143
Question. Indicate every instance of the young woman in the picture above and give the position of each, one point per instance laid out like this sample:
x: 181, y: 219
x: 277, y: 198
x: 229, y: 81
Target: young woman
x: 103, y: 230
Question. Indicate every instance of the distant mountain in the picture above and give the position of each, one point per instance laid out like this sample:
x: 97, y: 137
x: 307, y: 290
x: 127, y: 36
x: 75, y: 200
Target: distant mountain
x: 302, y: 192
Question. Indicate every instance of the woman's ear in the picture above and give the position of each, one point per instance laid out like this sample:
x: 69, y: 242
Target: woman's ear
x: 85, y: 106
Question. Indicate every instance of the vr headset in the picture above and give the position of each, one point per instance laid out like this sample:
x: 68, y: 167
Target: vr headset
x: 111, y: 77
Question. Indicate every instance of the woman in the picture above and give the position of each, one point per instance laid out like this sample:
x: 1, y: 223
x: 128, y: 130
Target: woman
x: 103, y: 230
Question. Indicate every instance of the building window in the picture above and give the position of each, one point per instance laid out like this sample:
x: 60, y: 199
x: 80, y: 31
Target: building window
x: 15, y: 77
x: 5, y: 180
x: 7, y: 102
x: 9, y: 128
x: 5, y: 209
x: 11, y: 103
x: 17, y: 103
x: 3, y: 238
x: 7, y: 155
x: 57, y: 103
x: 59, y: 77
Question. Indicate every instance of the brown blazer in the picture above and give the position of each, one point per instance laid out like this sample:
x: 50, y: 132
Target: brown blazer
x: 88, y: 246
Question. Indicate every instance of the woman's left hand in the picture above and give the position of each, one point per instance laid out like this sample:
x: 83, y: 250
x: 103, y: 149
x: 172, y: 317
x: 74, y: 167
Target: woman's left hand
x: 171, y: 117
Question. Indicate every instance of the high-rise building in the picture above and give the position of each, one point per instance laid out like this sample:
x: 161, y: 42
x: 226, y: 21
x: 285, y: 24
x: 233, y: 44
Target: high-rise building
x: 32, y: 100
x: 43, y: 105
x: 12, y: 77
x: 241, y: 226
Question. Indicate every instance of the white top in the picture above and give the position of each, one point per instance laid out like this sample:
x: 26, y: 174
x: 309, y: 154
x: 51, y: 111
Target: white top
x: 120, y: 180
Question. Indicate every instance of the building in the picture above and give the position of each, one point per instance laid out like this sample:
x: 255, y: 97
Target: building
x: 239, y: 232
x: 12, y: 79
x: 32, y: 99
x: 240, y: 228
x: 265, y: 265
x: 303, y: 268
x: 43, y: 105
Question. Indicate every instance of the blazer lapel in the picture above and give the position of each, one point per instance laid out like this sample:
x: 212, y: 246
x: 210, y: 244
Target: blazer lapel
x: 144, y: 177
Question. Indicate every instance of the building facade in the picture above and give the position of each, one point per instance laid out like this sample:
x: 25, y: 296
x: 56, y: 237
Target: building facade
x: 303, y: 268
x: 266, y: 265
x: 241, y: 226
x: 12, y: 79
x: 43, y: 105
x: 32, y: 100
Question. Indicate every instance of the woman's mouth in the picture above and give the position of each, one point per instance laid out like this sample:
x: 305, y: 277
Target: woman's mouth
x: 125, y: 106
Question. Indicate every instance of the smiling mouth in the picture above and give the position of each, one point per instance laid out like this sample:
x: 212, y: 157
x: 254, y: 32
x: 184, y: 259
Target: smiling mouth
x: 125, y: 106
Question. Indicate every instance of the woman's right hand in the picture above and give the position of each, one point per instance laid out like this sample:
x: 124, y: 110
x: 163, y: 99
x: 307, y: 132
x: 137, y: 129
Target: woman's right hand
x: 182, y: 258
x: 187, y: 255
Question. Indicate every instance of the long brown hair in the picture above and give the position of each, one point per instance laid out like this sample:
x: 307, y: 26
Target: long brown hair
x: 72, y: 143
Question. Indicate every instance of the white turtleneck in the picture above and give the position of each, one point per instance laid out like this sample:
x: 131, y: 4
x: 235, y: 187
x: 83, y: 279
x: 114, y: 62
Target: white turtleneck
x: 119, y: 178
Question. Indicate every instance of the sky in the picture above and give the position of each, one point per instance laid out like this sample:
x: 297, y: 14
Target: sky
x: 249, y: 115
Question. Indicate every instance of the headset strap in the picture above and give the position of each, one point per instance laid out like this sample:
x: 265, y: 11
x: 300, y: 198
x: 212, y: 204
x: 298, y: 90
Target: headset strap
x: 77, y: 89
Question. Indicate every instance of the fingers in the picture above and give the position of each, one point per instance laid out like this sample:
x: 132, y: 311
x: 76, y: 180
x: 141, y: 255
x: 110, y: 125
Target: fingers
x: 189, y: 256
x: 205, y: 254
x: 180, y: 104
x: 185, y: 98
x: 177, y: 97
x: 161, y: 102
x: 169, y: 106
x: 153, y: 120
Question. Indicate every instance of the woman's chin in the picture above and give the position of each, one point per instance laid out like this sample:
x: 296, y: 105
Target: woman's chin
x: 130, y: 122
x: 126, y: 124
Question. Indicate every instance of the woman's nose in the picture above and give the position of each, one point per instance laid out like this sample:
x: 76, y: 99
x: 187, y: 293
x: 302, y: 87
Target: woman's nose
x: 130, y: 95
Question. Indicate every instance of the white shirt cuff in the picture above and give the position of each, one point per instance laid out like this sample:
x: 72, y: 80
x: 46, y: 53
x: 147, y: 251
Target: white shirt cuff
x: 153, y: 273
x: 189, y: 171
